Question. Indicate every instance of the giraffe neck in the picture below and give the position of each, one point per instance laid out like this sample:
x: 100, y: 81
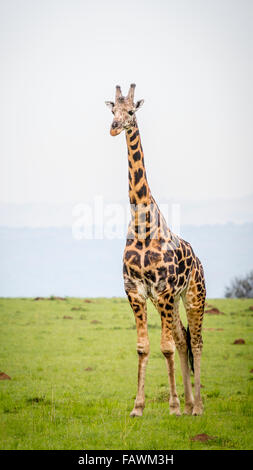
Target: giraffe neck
x: 147, y: 220
x: 139, y: 191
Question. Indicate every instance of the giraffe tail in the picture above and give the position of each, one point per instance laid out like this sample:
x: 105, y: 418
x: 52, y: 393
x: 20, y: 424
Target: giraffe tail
x: 189, y: 348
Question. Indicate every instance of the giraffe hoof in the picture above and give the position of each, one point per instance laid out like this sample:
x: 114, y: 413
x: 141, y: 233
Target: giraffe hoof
x: 137, y: 412
x: 188, y: 409
x: 175, y: 411
x: 197, y: 410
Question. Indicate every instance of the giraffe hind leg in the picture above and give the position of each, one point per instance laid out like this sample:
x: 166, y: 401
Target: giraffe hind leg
x: 181, y: 341
x: 194, y: 301
x: 165, y: 308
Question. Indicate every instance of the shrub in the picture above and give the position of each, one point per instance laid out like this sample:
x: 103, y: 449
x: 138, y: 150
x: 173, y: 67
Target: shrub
x: 240, y: 287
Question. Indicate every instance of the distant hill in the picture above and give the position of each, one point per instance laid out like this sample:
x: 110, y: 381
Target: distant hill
x: 191, y: 212
x: 49, y: 261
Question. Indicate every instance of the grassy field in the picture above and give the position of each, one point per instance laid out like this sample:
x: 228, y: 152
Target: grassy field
x: 73, y: 369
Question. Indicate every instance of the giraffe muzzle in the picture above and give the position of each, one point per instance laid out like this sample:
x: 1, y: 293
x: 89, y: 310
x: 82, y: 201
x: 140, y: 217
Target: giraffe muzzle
x: 116, y: 128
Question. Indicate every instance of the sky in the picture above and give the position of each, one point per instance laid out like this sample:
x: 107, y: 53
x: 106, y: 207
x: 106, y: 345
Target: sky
x: 60, y: 60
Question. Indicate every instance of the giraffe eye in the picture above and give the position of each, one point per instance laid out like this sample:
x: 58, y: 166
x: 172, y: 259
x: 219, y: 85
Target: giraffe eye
x: 131, y: 113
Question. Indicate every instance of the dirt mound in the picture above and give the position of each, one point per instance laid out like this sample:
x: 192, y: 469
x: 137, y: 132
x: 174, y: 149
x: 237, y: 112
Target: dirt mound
x: 251, y: 307
x: 4, y: 376
x: 87, y: 301
x: 95, y: 322
x: 67, y: 317
x: 214, y: 311
x: 88, y: 369
x: 213, y: 329
x: 202, y: 437
x: 239, y: 341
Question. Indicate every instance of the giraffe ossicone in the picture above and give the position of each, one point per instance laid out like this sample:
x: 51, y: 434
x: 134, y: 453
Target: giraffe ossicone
x: 159, y: 265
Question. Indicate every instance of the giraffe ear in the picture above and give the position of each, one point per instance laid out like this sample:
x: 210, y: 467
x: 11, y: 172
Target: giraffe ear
x: 139, y: 104
x: 110, y: 104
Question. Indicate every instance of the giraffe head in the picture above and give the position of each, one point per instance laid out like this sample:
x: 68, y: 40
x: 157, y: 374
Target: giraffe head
x: 124, y: 110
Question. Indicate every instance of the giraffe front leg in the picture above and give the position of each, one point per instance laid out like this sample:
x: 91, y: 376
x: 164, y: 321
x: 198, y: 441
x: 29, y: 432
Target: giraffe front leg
x: 138, y: 305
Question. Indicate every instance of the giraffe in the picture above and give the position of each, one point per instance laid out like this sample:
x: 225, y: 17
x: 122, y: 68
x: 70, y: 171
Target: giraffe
x: 161, y: 266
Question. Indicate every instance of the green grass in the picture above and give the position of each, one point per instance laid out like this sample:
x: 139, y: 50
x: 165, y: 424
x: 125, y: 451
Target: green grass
x: 53, y: 402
